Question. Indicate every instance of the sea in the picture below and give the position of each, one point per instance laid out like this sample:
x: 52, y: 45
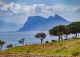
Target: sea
x: 14, y: 37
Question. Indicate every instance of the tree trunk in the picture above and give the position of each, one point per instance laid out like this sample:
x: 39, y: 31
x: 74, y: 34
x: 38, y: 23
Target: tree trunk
x: 23, y: 43
x: 41, y: 41
x: 59, y: 38
x: 66, y: 36
x: 76, y: 35
x: 0, y: 47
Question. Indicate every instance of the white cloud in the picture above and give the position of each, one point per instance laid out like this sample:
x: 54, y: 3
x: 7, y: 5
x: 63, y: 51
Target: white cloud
x: 13, y: 9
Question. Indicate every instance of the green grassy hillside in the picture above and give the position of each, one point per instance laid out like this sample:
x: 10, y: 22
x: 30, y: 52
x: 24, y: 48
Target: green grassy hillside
x: 67, y: 47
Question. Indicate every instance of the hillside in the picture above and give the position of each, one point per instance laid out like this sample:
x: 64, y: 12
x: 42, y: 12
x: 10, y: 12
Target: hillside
x: 38, y: 23
x: 67, y: 47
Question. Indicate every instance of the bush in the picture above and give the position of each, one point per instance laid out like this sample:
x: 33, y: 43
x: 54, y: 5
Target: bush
x: 27, y: 51
x: 57, y: 51
x: 9, y: 46
x: 75, y: 53
x: 54, y: 41
x: 73, y: 37
x: 46, y: 41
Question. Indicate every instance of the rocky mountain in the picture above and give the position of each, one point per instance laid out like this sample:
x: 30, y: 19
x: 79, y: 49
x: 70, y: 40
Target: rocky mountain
x: 5, y: 26
x: 38, y: 23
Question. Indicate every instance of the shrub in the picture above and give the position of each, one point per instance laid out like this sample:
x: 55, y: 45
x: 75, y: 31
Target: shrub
x: 9, y: 46
x: 57, y: 51
x: 46, y: 41
x: 54, y: 41
x: 27, y: 51
x: 75, y: 53
x: 73, y: 37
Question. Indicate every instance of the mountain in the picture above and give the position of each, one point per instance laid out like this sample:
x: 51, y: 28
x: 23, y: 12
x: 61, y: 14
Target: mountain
x: 4, y: 26
x: 38, y: 23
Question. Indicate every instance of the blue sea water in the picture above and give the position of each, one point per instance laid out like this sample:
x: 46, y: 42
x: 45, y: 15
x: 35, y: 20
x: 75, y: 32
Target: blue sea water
x: 13, y: 37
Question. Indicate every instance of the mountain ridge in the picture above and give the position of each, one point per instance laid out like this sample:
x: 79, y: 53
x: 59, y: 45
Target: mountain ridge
x: 39, y: 23
x: 5, y: 26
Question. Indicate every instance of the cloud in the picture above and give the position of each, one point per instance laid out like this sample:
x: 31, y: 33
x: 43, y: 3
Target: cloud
x: 13, y: 9
x: 37, y: 8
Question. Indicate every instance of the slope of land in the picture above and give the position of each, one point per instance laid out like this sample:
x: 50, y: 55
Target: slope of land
x: 67, y: 47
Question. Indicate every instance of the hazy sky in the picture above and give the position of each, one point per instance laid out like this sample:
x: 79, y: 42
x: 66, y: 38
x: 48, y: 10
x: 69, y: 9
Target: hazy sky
x: 17, y: 11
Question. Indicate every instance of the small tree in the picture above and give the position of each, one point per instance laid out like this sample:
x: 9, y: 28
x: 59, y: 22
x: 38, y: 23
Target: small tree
x: 9, y: 46
x: 1, y: 44
x: 21, y: 41
x: 41, y: 36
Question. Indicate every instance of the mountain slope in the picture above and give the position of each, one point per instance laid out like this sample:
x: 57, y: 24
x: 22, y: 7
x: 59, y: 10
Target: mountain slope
x: 38, y: 23
x: 4, y: 26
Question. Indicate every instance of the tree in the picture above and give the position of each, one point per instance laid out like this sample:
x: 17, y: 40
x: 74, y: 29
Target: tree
x: 41, y: 36
x: 67, y: 31
x: 74, y: 28
x: 57, y: 31
x: 21, y: 41
x: 1, y: 44
x: 9, y: 46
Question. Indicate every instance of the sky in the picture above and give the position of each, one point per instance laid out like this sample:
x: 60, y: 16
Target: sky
x: 18, y: 11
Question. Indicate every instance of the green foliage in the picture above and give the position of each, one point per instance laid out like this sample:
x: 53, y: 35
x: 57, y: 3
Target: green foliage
x: 46, y: 41
x: 61, y: 51
x: 57, y: 51
x: 56, y: 29
x: 74, y: 28
x: 59, y: 30
x: 21, y: 41
x: 9, y: 46
x: 73, y: 37
x: 58, y: 44
x: 28, y: 51
x: 75, y: 53
x: 71, y: 47
x: 40, y: 36
x: 54, y: 40
x: 1, y: 44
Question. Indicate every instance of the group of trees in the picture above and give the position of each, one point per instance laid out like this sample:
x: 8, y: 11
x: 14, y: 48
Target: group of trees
x: 60, y: 30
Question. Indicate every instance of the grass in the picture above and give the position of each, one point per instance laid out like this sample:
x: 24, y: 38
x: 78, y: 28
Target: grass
x: 67, y: 47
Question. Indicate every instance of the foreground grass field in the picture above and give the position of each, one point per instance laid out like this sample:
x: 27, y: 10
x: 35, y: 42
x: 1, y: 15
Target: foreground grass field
x: 67, y: 47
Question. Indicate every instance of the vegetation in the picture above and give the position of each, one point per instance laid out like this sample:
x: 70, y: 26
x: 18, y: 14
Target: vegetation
x: 1, y: 44
x: 74, y: 28
x: 21, y: 41
x: 61, y: 30
x: 9, y: 46
x: 67, y: 47
x: 57, y: 31
x: 41, y: 36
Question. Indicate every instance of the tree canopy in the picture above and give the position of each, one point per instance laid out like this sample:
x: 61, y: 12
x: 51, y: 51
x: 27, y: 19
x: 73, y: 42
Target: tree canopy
x: 40, y: 36
x: 57, y: 31
x: 21, y: 41
x: 61, y: 30
x: 1, y: 44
